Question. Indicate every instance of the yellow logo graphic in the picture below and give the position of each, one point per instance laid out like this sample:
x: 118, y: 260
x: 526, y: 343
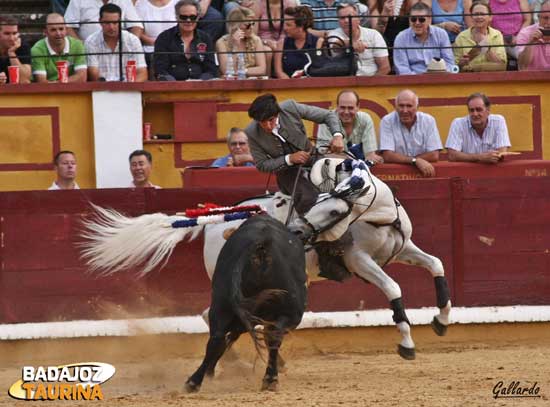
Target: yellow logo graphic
x: 76, y: 381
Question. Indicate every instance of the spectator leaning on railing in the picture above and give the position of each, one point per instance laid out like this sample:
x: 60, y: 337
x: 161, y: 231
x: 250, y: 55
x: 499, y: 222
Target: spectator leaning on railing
x: 480, y: 136
x: 480, y: 47
x: 13, y: 52
x: 418, y: 45
x: 239, y: 151
x: 536, y: 57
x: 81, y: 13
x: 103, y: 47
x: 58, y: 46
x: 367, y: 43
x: 65, y: 168
x: 183, y: 51
x: 408, y: 136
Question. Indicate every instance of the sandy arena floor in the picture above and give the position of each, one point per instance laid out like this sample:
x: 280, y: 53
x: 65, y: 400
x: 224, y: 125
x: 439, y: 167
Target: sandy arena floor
x: 340, y: 367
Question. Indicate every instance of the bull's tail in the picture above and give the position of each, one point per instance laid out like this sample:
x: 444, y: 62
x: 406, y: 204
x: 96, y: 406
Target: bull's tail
x: 247, y: 308
x: 114, y: 242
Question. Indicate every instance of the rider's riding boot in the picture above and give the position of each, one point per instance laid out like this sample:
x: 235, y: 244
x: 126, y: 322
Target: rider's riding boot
x: 331, y: 258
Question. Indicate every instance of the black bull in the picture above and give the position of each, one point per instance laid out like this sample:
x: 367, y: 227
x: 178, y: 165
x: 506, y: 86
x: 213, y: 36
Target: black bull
x: 259, y: 279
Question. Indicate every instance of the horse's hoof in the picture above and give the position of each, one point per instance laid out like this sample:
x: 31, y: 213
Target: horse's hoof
x: 438, y: 327
x: 270, y: 384
x: 191, y: 387
x: 406, y: 353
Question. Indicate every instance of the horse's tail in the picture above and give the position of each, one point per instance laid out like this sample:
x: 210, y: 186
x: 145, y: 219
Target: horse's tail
x: 114, y: 242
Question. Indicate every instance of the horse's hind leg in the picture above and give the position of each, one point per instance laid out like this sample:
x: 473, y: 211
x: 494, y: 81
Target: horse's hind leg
x: 411, y: 254
x: 366, y: 268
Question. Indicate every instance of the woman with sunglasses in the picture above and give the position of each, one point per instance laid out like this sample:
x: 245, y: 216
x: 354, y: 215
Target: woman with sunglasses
x: 288, y: 60
x: 241, y: 39
x: 183, y: 51
x: 481, y: 47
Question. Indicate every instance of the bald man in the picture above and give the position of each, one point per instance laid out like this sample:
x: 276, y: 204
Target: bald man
x: 56, y: 47
x: 408, y: 136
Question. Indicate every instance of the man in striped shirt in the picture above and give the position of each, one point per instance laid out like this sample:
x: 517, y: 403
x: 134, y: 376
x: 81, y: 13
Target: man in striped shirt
x: 480, y: 136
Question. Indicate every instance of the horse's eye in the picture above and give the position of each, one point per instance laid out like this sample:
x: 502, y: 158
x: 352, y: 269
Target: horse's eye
x: 334, y: 212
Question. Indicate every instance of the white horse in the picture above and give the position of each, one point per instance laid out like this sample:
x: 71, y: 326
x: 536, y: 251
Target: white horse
x: 362, y: 203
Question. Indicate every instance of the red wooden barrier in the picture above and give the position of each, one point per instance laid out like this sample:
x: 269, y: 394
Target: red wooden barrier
x: 493, y: 236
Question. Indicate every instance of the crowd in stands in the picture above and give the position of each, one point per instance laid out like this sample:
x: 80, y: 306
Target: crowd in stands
x: 207, y: 39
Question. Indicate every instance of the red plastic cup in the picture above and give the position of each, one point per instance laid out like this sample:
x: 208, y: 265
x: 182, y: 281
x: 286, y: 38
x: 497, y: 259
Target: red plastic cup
x: 146, y: 131
x: 13, y: 73
x: 62, y: 71
x: 131, y: 71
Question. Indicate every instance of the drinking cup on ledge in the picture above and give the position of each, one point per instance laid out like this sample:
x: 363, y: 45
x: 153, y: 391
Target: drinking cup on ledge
x: 13, y: 74
x: 131, y: 70
x: 146, y: 131
x: 62, y: 71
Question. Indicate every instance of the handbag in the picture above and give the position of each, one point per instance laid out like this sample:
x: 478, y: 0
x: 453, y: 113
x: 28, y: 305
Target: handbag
x: 335, y: 58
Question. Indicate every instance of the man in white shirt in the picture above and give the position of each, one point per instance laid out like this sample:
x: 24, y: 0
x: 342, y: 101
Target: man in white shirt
x: 87, y: 11
x: 408, y: 136
x: 65, y: 167
x: 480, y: 136
x: 102, y: 48
x: 367, y: 43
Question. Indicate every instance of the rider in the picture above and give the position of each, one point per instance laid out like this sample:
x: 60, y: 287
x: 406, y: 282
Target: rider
x: 279, y: 144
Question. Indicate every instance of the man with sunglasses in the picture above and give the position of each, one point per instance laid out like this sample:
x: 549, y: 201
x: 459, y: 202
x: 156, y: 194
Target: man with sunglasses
x: 239, y: 151
x: 480, y: 136
x: 418, y: 45
x: 185, y: 52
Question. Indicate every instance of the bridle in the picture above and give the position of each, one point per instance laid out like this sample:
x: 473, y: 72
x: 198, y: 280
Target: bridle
x: 315, y: 232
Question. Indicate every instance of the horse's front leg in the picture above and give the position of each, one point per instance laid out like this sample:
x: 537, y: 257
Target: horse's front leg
x: 360, y: 263
x: 412, y: 255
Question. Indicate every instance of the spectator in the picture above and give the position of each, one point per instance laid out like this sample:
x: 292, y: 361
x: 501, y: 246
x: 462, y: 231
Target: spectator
x: 288, y: 61
x: 367, y: 43
x: 270, y: 27
x: 418, y: 45
x: 449, y: 15
x: 58, y: 46
x: 80, y: 12
x: 536, y: 57
x: 13, y: 52
x: 197, y: 60
x: 155, y: 10
x: 65, y: 167
x: 389, y: 18
x: 357, y: 126
x: 103, y: 47
x: 326, y: 16
x: 509, y: 20
x: 480, y: 47
x: 239, y: 151
x: 279, y: 144
x: 479, y: 137
x: 211, y: 19
x: 241, y: 39
x: 141, y: 165
x: 535, y: 6
x: 408, y: 136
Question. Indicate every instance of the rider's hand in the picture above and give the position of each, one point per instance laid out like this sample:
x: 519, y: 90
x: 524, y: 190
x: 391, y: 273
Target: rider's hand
x: 299, y: 157
x: 337, y: 144
x: 425, y: 168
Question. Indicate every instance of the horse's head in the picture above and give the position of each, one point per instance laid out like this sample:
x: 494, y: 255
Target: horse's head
x: 331, y: 215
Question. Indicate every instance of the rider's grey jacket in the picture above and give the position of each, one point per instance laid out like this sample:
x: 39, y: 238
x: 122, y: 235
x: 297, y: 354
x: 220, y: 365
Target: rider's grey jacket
x: 267, y: 149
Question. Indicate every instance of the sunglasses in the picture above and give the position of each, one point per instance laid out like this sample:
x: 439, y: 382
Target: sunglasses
x: 238, y: 143
x: 192, y: 17
x: 419, y: 19
x: 248, y: 25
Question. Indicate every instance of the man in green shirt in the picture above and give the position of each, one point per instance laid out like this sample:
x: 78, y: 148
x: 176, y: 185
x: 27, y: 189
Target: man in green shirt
x: 58, y: 46
x: 359, y: 135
